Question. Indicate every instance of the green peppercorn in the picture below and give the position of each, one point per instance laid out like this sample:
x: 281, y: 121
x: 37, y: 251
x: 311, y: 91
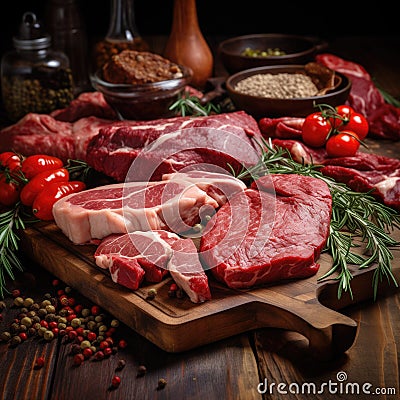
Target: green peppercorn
x: 41, y: 331
x: 151, y: 294
x: 85, y: 344
x: 18, y: 301
x: 85, y: 312
x: 48, y: 335
x: 115, y: 323
x: 5, y: 336
x: 76, y: 323
x: 50, y: 309
x: 28, y: 302
x: 26, y: 321
x: 161, y: 384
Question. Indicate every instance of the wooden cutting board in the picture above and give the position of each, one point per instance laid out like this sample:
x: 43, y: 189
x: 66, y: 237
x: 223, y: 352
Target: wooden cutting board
x: 307, y: 306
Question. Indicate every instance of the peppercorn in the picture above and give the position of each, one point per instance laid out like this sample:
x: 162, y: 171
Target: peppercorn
x: 151, y: 294
x: 15, y: 341
x: 121, y: 365
x: 18, y: 301
x: 5, y: 336
x: 141, y: 371
x: 161, y: 384
x: 39, y: 363
x: 79, y: 359
x: 75, y: 322
x: 122, y: 344
x: 2, y: 306
x: 99, y: 355
x: 115, y: 381
x: 26, y: 321
x: 48, y: 335
x: 28, y: 302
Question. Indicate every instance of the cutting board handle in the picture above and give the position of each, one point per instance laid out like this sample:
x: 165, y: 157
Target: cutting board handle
x: 329, y: 332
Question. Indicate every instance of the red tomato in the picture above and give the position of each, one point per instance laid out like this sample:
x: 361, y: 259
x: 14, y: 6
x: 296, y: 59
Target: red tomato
x: 40, y: 181
x: 42, y: 206
x: 315, y: 129
x: 10, y: 160
x: 9, y: 191
x: 356, y: 123
x: 344, y: 144
x: 32, y: 165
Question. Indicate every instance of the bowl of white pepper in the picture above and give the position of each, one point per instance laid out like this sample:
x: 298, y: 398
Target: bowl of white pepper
x: 287, y: 90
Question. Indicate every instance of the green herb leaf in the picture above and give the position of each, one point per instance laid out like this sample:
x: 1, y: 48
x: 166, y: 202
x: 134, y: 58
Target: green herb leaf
x: 11, y: 222
x: 191, y: 105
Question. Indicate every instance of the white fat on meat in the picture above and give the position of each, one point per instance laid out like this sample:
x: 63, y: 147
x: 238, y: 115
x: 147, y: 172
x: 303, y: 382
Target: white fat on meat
x: 175, y: 204
x: 387, y: 184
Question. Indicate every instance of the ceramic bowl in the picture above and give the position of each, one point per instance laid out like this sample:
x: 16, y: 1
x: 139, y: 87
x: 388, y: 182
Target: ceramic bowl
x: 259, y: 107
x: 298, y: 50
x: 142, y: 102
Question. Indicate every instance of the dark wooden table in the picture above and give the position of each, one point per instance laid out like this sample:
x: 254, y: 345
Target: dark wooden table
x: 239, y: 367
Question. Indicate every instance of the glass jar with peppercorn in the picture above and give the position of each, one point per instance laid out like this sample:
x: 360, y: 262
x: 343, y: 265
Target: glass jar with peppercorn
x: 34, y: 77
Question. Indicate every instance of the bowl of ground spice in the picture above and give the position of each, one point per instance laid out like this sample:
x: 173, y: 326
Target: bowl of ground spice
x: 141, y: 85
x: 287, y: 90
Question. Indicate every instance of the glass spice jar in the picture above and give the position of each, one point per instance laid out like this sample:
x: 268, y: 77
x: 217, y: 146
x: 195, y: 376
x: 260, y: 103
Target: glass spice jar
x: 34, y: 78
x: 122, y: 33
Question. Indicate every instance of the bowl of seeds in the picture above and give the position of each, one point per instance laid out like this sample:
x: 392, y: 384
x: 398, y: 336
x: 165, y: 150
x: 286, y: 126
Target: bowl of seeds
x: 286, y: 90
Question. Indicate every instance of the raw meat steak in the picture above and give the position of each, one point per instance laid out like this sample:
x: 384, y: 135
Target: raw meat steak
x: 175, y: 204
x: 365, y: 97
x: 148, y: 256
x: 87, y: 104
x: 362, y: 173
x: 167, y: 145
x: 257, y: 238
x: 39, y: 133
x: 42, y: 134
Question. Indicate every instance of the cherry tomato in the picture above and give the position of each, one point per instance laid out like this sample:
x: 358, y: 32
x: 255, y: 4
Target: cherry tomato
x: 356, y: 123
x: 315, y: 129
x: 10, y: 160
x: 9, y: 191
x: 343, y: 144
x: 40, y: 181
x: 42, y: 206
x: 32, y: 165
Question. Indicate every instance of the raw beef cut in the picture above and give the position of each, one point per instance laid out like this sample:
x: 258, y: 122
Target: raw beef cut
x: 42, y: 134
x: 39, y: 134
x: 175, y: 204
x: 362, y: 173
x: 87, y: 104
x: 272, y: 231
x: 164, y: 146
x: 283, y: 127
x: 149, y: 256
x: 365, y: 97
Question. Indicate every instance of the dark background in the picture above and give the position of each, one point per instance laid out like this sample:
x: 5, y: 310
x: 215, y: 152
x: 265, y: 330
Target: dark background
x: 327, y: 19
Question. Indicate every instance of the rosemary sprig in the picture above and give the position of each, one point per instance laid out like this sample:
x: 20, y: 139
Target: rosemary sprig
x: 11, y: 221
x: 355, y: 216
x: 191, y: 105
